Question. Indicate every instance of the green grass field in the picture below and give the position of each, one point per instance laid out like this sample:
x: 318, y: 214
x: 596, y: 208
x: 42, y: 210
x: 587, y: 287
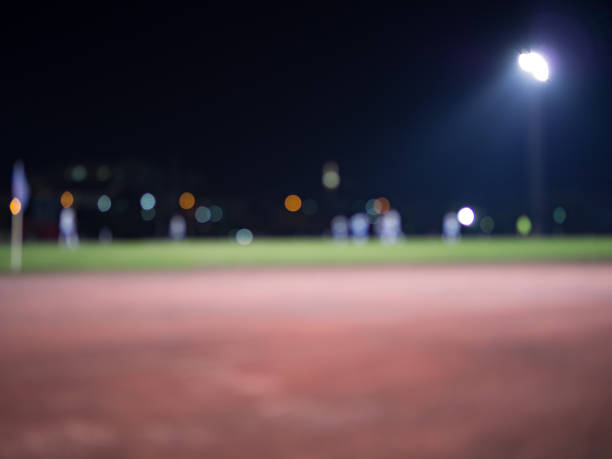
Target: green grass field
x: 196, y: 253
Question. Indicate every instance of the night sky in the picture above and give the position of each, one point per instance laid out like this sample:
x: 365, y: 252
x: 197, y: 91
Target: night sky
x: 423, y: 105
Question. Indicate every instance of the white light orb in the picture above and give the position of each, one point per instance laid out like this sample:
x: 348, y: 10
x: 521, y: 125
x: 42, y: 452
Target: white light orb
x: 535, y: 64
x: 466, y: 216
x: 244, y: 236
x: 331, y: 180
x: 524, y: 61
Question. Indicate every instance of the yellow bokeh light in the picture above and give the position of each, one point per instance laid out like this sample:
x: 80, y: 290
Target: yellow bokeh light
x: 293, y: 203
x: 66, y: 199
x: 186, y: 200
x: 15, y: 206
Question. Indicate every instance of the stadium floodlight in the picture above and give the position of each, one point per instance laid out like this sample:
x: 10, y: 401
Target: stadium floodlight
x: 535, y: 64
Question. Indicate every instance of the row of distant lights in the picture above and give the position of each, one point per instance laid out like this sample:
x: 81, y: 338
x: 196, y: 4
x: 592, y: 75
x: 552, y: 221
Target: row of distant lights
x: 293, y: 203
x: 330, y: 176
x: 187, y: 201
x: 467, y: 217
x: 79, y: 173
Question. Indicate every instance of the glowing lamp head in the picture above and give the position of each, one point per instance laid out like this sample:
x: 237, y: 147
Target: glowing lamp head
x: 535, y: 64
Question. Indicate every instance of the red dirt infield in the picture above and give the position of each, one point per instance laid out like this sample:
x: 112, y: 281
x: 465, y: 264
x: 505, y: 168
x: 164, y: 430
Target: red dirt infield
x: 476, y: 361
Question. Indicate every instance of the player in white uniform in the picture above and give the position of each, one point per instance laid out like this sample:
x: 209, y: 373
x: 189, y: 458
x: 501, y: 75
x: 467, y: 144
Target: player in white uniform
x: 360, y: 228
x: 340, y: 228
x: 68, y: 235
x: 390, y: 227
x: 451, y: 230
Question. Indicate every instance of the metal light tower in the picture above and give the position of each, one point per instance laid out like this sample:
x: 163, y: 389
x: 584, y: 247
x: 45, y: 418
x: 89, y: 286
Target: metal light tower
x: 535, y: 64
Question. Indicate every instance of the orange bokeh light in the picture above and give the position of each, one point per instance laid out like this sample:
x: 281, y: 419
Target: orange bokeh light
x: 15, y: 206
x: 293, y: 203
x: 382, y: 206
x: 66, y: 199
x: 186, y: 200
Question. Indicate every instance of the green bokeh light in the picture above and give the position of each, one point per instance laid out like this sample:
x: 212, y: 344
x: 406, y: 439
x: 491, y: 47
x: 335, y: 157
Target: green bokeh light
x: 559, y: 215
x: 523, y: 225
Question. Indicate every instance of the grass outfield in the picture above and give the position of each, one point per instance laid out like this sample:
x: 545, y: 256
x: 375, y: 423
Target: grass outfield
x: 161, y: 254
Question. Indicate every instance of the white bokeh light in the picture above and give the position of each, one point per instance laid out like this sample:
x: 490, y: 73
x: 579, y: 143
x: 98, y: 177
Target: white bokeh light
x: 535, y: 64
x: 244, y: 236
x: 466, y: 216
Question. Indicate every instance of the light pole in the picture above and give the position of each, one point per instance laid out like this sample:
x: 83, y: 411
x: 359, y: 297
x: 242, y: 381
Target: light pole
x: 535, y: 64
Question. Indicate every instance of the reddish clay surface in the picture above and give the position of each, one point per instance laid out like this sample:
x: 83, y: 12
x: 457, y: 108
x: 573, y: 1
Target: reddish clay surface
x: 391, y: 362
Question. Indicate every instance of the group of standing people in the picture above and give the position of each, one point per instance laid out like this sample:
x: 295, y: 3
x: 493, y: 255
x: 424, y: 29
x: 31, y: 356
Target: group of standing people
x: 388, y: 227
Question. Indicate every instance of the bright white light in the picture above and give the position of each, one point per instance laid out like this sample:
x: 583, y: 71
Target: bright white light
x: 524, y: 61
x: 535, y: 64
x: 466, y: 216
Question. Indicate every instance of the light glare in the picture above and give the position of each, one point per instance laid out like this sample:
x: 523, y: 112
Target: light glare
x: 523, y: 225
x: 186, y: 200
x: 104, y: 203
x: 66, y: 199
x: 202, y: 214
x: 216, y: 214
x: 535, y: 64
x: 147, y: 214
x: 15, y: 206
x: 147, y: 201
x: 559, y: 215
x: 466, y: 216
x: 244, y: 236
x: 331, y: 175
x: 293, y: 203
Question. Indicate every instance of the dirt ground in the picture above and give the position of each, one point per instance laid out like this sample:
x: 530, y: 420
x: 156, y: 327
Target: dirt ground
x: 480, y: 361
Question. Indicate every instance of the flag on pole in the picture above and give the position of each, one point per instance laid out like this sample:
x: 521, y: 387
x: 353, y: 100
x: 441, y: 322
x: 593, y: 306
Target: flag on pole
x: 20, y: 187
x: 21, y: 195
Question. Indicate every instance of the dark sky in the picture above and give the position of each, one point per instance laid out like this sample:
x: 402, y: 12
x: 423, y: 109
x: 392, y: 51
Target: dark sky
x: 424, y: 105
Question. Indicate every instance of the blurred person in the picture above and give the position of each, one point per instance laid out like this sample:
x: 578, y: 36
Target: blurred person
x: 177, y: 228
x: 340, y: 228
x: 68, y: 235
x: 360, y: 228
x: 390, y: 227
x: 105, y: 236
x: 451, y: 229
